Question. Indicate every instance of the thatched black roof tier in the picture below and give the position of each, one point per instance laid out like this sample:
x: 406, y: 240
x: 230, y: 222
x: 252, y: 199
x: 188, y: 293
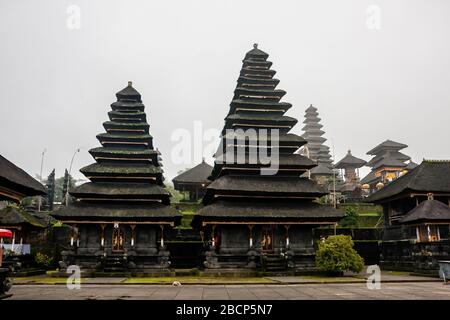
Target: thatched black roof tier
x: 121, y: 192
x: 387, y: 145
x: 126, y: 127
x: 137, y: 140
x: 389, y: 163
x: 250, y: 93
x: 390, y: 154
x: 259, y: 120
x: 256, y: 53
x: 196, y: 175
x: 121, y: 212
x: 428, y: 211
x: 129, y: 94
x: 350, y: 161
x: 127, y: 106
x: 263, y: 105
x: 253, y: 82
x: 270, y: 187
x: 141, y: 153
x: 16, y: 180
x: 299, y: 211
x: 431, y: 176
x: 118, y: 116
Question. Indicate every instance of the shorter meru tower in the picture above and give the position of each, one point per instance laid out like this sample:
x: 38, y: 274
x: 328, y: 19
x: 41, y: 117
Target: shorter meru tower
x: 118, y: 219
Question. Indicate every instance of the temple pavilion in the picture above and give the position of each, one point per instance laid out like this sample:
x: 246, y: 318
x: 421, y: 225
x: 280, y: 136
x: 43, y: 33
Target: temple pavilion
x: 416, y: 209
x: 255, y: 215
x: 351, y: 188
x: 194, y: 181
x: 119, y: 217
x: 387, y: 164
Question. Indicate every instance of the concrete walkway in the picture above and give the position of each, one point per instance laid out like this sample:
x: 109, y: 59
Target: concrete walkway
x: 406, y: 290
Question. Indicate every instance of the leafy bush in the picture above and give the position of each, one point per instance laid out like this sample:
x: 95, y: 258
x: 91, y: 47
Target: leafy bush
x: 350, y: 219
x: 336, y: 255
x: 43, y: 260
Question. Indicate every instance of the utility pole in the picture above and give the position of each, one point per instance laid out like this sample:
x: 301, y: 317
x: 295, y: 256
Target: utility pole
x: 70, y: 170
x: 40, y: 177
x: 334, y: 178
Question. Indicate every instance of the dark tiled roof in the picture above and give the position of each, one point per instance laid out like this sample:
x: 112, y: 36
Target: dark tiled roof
x: 13, y: 177
x: 429, y: 176
x: 350, y: 161
x: 428, y: 210
x: 197, y: 174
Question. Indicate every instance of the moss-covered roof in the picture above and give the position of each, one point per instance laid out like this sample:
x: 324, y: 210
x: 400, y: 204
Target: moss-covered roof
x: 82, y: 210
x: 13, y: 215
x: 121, y: 169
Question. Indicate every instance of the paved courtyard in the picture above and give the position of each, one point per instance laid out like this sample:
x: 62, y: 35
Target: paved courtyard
x: 417, y: 290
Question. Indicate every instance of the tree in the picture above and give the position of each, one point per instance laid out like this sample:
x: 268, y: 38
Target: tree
x: 61, y: 186
x: 351, y: 218
x: 50, y: 185
x: 336, y: 255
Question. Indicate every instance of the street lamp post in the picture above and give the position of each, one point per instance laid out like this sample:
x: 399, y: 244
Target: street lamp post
x: 68, y: 179
x: 40, y: 177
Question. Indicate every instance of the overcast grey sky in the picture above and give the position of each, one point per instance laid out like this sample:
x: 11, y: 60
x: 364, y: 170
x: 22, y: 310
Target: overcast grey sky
x: 56, y: 83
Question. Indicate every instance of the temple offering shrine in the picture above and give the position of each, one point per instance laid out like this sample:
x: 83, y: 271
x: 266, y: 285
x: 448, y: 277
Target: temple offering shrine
x: 193, y: 181
x: 351, y: 188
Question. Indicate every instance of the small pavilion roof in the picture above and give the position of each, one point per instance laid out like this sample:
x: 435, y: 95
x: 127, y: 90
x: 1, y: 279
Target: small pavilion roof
x: 350, y: 161
x: 198, y: 174
x: 388, y: 144
x: 428, y: 211
x: 12, y: 177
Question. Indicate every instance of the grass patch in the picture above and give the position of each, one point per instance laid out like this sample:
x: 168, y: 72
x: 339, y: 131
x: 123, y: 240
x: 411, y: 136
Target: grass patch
x: 331, y: 279
x: 201, y: 280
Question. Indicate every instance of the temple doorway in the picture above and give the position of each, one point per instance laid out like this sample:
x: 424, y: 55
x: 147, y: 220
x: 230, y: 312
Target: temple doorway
x: 118, y: 239
x: 267, y: 239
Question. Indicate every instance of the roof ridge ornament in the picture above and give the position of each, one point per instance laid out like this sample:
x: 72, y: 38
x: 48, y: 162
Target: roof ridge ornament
x: 130, y: 83
x: 255, y: 46
x: 430, y: 196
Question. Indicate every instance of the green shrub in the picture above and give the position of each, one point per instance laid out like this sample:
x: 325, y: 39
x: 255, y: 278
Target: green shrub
x: 336, y: 255
x: 43, y: 260
x: 350, y: 219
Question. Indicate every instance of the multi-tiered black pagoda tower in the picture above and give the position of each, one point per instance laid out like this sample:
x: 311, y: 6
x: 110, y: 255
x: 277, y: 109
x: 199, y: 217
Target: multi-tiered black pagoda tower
x: 315, y: 149
x: 252, y: 211
x: 120, y: 216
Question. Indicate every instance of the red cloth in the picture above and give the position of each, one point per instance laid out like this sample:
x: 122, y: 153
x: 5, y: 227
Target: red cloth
x: 4, y: 233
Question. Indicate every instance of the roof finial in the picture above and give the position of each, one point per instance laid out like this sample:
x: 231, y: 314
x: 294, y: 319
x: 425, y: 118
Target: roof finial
x: 349, y: 151
x: 130, y: 83
x: 203, y: 159
x: 430, y: 196
x: 255, y: 45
